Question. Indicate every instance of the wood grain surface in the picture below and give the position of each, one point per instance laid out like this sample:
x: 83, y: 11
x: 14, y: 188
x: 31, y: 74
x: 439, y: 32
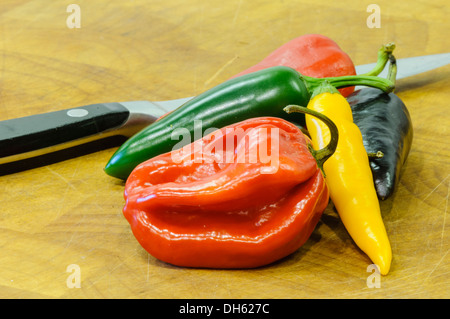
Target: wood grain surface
x: 70, y: 212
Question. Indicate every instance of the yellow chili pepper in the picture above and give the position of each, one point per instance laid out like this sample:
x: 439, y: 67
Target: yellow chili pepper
x: 349, y: 177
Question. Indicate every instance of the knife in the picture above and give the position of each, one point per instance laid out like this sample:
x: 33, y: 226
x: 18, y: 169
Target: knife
x: 45, y: 136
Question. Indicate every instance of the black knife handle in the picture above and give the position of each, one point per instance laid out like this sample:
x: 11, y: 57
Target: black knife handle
x: 41, y: 131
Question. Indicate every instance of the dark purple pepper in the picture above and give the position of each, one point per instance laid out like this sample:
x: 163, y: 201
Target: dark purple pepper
x: 385, y: 125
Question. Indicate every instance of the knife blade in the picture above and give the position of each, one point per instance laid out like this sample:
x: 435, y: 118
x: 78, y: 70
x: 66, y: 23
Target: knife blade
x: 38, y: 135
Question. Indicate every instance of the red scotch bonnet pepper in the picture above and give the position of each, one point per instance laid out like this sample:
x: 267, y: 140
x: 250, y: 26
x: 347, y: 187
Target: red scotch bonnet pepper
x: 222, y: 212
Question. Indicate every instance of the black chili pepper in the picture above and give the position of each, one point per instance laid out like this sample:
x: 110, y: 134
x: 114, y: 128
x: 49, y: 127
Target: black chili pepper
x: 385, y: 125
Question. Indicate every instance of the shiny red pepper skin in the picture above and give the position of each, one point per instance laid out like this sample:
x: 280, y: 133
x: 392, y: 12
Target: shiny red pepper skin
x: 228, y: 215
x: 313, y: 55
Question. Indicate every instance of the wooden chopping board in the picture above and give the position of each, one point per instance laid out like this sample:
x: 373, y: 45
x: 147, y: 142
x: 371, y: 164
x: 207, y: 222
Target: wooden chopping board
x: 65, y: 219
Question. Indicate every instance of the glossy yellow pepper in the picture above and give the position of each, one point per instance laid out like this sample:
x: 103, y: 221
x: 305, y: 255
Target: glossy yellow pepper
x: 349, y: 177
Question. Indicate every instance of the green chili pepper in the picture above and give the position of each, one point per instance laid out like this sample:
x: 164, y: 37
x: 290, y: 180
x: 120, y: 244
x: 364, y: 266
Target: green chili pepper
x: 262, y: 93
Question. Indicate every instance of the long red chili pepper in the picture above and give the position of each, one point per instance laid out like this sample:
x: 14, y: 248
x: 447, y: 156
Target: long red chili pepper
x: 313, y: 55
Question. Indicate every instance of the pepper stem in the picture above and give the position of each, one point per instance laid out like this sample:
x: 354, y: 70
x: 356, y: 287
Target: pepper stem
x: 384, y: 54
x: 325, y: 153
x: 392, y: 72
x: 378, y: 154
x: 368, y: 79
x: 385, y: 85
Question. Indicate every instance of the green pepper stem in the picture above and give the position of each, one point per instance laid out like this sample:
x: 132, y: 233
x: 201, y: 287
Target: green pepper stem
x: 378, y: 154
x: 325, y: 153
x: 384, y: 54
x: 392, y: 72
x: 385, y: 85
x: 368, y: 79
